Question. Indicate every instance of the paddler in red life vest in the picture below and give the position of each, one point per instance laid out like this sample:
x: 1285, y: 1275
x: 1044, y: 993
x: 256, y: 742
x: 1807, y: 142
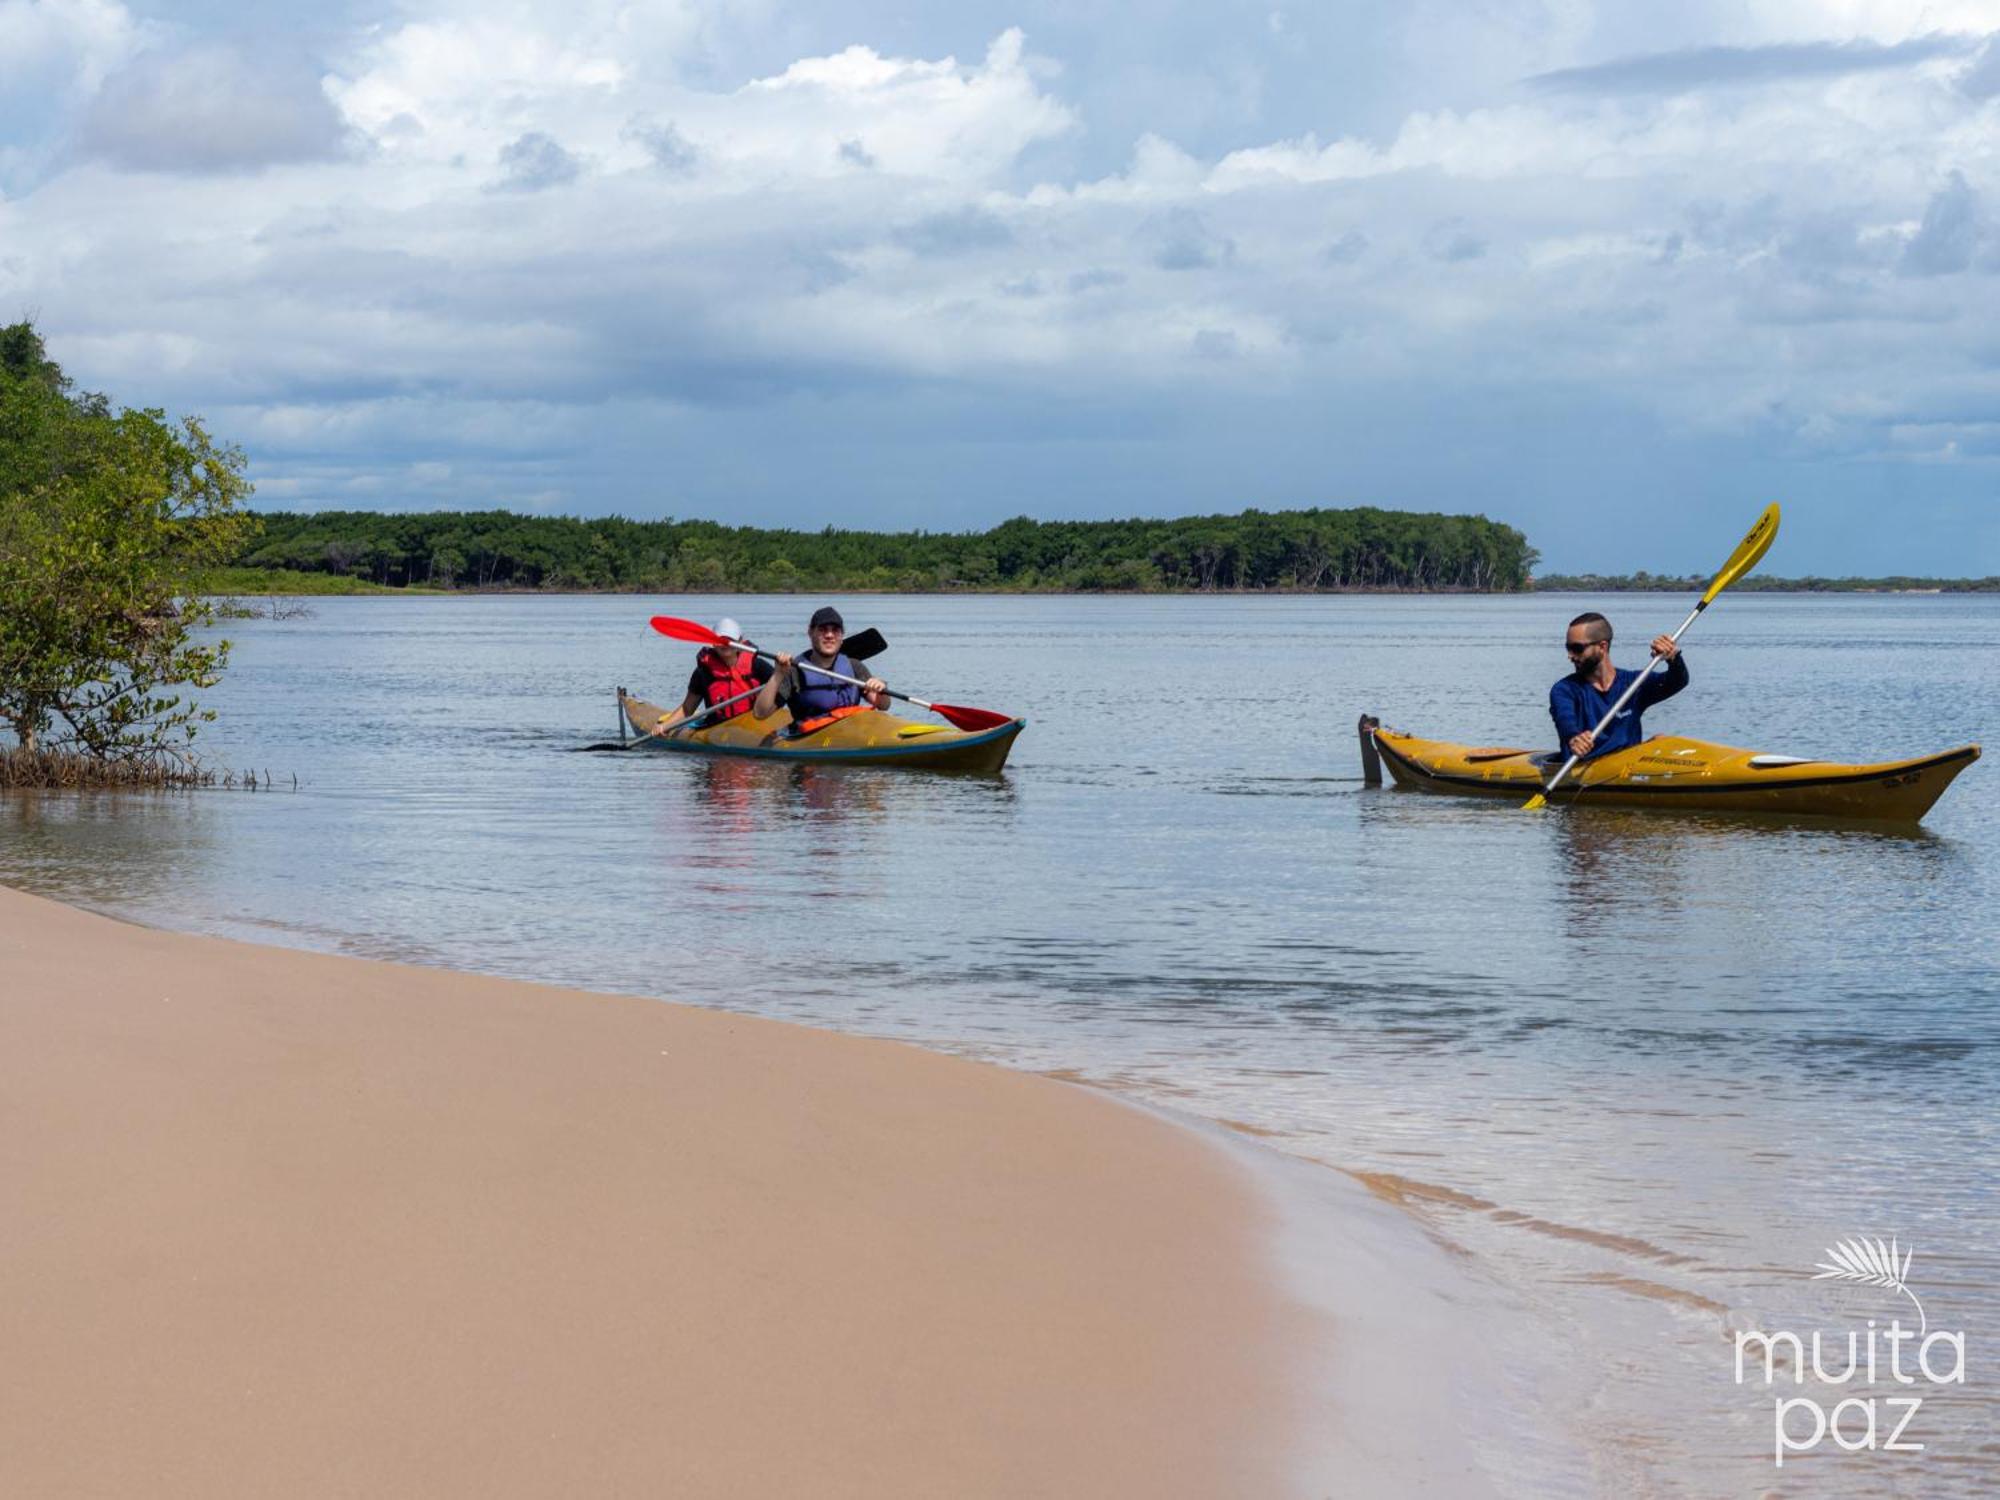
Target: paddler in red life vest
x: 816, y: 699
x: 721, y: 673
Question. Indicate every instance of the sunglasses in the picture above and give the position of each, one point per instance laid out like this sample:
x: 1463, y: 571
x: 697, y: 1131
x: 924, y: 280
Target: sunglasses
x: 828, y: 630
x: 1577, y: 648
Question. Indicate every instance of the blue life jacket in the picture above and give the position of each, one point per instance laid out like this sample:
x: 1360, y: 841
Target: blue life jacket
x: 818, y: 694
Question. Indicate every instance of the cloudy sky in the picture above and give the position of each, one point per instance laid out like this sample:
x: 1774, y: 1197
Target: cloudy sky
x: 1616, y: 273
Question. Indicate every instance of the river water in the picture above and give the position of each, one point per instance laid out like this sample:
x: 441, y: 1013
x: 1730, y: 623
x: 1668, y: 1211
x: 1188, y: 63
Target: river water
x: 1644, y: 1069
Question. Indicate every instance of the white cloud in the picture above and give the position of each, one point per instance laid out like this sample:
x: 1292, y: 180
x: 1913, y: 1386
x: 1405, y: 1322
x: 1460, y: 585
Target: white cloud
x: 72, y: 42
x: 440, y: 89
x: 53, y: 56
x: 534, y: 161
x: 1752, y: 261
x: 447, y: 91
x: 909, y: 118
x: 210, y: 108
x: 1881, y: 20
x: 1949, y: 236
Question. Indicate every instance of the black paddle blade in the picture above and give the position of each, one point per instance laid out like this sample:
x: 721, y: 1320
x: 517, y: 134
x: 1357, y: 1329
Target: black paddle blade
x: 864, y: 644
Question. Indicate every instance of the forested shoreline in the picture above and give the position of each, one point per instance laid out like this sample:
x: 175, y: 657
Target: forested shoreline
x: 1359, y: 550
x: 1758, y: 583
x: 1305, y: 551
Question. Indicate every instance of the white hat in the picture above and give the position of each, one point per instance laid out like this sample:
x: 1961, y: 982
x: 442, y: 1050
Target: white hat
x: 729, y: 628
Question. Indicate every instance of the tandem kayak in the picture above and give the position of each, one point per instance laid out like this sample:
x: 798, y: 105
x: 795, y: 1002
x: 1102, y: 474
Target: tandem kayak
x: 867, y: 739
x: 1684, y: 775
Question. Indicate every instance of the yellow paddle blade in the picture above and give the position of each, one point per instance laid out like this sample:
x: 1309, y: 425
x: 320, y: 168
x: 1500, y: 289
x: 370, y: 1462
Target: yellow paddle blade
x: 1749, y: 552
x: 911, y: 731
x: 1535, y: 803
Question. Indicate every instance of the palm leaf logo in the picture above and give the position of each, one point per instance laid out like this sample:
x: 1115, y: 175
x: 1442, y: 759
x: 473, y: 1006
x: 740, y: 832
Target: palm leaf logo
x: 1873, y: 1263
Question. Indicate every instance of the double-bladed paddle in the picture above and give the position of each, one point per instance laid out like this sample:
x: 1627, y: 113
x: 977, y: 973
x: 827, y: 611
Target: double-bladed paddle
x: 1749, y: 552
x: 973, y: 719
x: 695, y: 718
x: 866, y: 643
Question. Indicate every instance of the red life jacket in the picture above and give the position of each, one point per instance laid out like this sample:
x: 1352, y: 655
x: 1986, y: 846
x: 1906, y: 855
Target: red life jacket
x: 725, y: 682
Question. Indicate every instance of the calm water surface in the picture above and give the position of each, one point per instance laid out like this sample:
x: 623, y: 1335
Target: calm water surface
x: 1644, y: 1068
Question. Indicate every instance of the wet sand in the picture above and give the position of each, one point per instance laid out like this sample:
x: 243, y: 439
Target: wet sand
x: 277, y: 1223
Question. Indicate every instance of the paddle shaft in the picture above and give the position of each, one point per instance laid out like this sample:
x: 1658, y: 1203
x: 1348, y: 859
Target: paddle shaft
x: 1624, y: 698
x: 771, y: 657
x: 804, y: 665
x: 972, y: 720
x: 969, y: 719
x: 713, y: 708
x: 868, y: 643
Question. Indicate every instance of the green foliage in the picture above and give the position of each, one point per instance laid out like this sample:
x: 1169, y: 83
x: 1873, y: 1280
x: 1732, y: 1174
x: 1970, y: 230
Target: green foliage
x: 105, y: 519
x: 1307, y: 550
x: 1758, y: 583
x: 249, y: 581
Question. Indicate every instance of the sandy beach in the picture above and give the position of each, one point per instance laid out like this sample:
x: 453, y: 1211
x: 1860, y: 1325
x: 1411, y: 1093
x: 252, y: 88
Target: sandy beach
x: 277, y: 1223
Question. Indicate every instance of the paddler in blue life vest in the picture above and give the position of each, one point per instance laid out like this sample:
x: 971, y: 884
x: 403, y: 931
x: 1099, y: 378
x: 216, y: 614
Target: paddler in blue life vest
x: 816, y: 699
x: 721, y: 673
x: 1582, y: 699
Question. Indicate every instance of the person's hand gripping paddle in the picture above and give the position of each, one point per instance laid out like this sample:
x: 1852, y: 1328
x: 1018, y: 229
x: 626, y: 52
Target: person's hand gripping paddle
x: 1749, y: 552
x: 972, y: 719
x: 858, y: 647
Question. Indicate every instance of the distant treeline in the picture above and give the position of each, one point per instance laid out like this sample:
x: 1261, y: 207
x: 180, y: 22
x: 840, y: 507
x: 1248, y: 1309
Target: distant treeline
x: 1308, y: 550
x: 1599, y: 583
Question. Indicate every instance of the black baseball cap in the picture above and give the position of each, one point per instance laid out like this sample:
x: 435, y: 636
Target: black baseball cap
x: 827, y: 615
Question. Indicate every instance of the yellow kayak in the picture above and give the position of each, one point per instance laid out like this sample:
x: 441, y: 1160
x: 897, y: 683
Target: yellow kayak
x: 864, y: 739
x: 1685, y: 775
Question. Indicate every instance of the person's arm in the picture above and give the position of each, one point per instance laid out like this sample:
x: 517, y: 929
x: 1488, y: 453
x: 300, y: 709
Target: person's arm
x: 764, y: 676
x: 1660, y: 686
x: 1571, y: 732
x: 776, y: 687
x: 697, y: 691
x: 872, y: 691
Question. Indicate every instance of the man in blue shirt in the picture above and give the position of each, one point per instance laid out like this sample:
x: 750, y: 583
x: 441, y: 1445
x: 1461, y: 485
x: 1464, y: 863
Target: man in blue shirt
x: 1584, y: 697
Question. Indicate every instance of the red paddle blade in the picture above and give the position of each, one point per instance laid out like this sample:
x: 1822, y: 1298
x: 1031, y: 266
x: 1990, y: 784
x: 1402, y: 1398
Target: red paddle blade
x: 970, y: 718
x: 686, y: 630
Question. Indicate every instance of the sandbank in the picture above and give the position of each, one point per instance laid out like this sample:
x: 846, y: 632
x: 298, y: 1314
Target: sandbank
x: 281, y: 1223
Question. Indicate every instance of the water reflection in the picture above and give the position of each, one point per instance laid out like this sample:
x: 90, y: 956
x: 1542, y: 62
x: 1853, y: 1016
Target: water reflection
x: 1603, y: 853
x: 749, y: 826
x: 727, y: 792
x: 127, y: 850
x: 1636, y: 822
x: 710, y: 817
